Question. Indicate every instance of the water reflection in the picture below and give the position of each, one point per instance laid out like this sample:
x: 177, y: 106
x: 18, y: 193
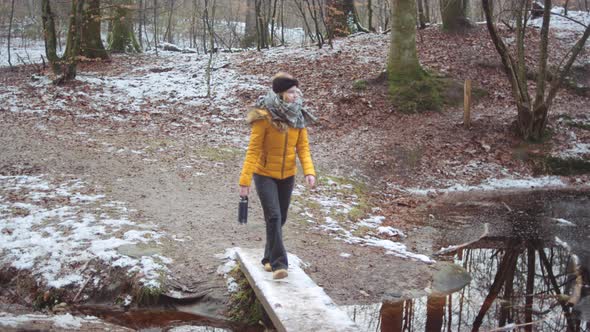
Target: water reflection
x: 523, y: 284
x: 163, y: 318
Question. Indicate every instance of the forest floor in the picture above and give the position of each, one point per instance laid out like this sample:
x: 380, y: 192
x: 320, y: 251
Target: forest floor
x: 127, y: 176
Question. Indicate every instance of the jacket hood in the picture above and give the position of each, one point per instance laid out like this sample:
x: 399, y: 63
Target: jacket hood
x: 262, y: 114
x: 258, y: 114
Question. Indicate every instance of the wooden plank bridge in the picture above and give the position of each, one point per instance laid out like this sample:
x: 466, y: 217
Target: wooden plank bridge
x: 295, y: 303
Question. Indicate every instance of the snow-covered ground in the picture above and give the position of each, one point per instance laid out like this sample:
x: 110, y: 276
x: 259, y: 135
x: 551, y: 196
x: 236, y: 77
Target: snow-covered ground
x: 492, y: 184
x: 229, y: 263
x: 20, y: 53
x: 57, y: 322
x: 33, y: 51
x: 568, y: 28
x: 328, y: 208
x: 68, y: 322
x: 574, y: 21
x: 55, y: 227
x: 183, y: 84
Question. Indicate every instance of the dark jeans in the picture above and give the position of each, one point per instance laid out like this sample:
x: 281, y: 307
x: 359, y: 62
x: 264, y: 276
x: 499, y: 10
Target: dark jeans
x: 275, y: 196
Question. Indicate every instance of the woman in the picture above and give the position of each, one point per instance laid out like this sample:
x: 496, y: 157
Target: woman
x: 278, y: 134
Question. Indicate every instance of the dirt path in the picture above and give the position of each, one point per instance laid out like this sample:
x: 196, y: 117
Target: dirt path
x: 196, y: 206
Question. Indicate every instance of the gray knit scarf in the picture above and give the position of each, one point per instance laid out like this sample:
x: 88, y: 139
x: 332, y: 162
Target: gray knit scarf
x: 293, y: 114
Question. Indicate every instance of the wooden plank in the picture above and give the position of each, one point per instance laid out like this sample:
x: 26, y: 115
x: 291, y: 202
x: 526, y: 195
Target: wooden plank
x: 295, y: 303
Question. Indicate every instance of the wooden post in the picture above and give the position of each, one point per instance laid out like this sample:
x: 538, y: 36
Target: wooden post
x: 467, y: 104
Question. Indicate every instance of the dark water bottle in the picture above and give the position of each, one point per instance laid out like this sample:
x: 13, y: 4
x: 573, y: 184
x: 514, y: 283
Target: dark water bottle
x: 243, y: 210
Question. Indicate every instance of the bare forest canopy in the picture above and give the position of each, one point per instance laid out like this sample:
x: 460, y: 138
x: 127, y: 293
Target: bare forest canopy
x: 79, y: 30
x: 181, y: 22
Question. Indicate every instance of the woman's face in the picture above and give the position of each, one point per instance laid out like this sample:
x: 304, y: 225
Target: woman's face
x: 292, y: 94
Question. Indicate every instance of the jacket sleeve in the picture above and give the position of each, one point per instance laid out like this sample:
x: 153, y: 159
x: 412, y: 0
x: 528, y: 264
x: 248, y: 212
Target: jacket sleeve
x: 304, y: 153
x: 254, y: 150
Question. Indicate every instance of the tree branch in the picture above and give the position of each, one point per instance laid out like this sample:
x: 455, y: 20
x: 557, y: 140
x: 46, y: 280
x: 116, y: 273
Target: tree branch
x: 507, y: 60
x: 543, y: 54
x: 556, y: 83
x: 571, y: 19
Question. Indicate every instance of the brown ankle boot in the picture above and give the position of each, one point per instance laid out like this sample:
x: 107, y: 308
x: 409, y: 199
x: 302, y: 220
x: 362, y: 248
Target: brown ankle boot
x: 280, y: 274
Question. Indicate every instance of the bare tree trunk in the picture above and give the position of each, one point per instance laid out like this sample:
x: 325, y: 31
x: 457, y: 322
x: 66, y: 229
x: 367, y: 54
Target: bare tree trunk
x: 566, y: 310
x: 504, y: 271
x: 10, y: 31
x: 385, y: 15
x: 168, y: 34
x: 122, y: 37
x: 50, y: 37
x: 403, y: 65
x: 156, y: 26
x: 427, y: 10
x: 450, y: 313
x: 259, y: 25
x: 141, y: 23
x: 453, y: 16
x: 250, y: 32
x: 193, y: 31
x: 532, y: 116
x: 391, y: 316
x: 312, y: 8
x: 421, y: 16
x: 343, y: 17
x: 144, y: 19
x: 91, y: 42
x: 272, y: 23
x: 64, y: 68
x: 355, y: 16
x: 267, y: 18
x: 370, y: 14
x: 506, y: 305
x: 435, y: 306
x: 282, y: 22
x: 328, y: 32
x: 304, y: 16
x: 530, y: 288
x: 74, y: 36
x: 210, y: 20
x: 204, y: 31
x: 263, y: 15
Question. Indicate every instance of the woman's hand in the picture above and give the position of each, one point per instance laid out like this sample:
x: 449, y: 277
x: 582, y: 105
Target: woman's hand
x: 244, y: 191
x: 310, y: 180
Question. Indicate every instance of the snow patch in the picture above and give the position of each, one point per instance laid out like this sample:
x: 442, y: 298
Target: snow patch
x: 564, y: 222
x: 55, y: 238
x: 493, y: 184
x: 330, y: 199
x: 65, y: 321
x: 565, y: 23
x: 230, y: 257
x: 577, y: 151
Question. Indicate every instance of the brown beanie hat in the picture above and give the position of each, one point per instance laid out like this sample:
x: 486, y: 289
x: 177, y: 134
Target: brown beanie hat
x: 283, y: 82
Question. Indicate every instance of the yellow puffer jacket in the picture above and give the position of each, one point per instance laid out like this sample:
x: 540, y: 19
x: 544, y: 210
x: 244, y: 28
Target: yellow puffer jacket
x: 273, y: 147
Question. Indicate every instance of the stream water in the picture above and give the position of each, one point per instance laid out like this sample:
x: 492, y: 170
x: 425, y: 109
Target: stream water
x: 525, y: 285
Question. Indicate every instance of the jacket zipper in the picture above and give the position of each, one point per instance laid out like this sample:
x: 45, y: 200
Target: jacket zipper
x: 284, y: 154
